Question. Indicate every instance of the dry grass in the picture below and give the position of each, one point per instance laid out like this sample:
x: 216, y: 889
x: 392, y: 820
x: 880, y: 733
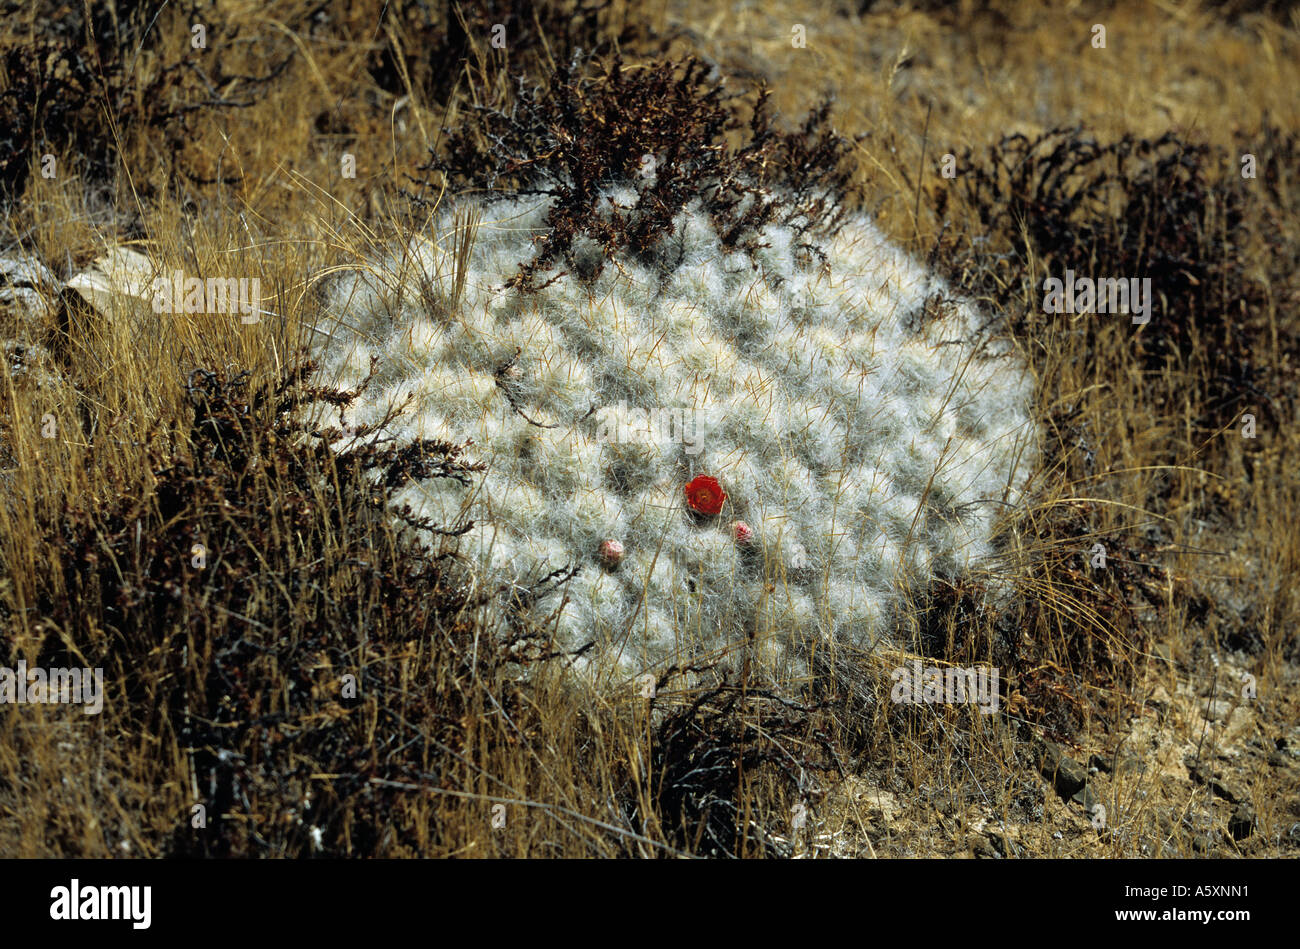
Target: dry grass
x: 227, y: 161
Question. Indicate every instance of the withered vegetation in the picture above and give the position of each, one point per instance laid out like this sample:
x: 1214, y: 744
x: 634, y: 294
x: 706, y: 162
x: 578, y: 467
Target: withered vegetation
x: 74, y: 86
x: 669, y: 131
x: 1162, y: 209
x: 227, y: 603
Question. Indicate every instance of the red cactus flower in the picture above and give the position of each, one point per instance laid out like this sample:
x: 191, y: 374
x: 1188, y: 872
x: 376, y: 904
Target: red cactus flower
x: 743, y: 533
x: 705, y: 495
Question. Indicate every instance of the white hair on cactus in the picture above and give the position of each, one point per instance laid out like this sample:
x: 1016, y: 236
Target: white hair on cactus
x: 866, y: 430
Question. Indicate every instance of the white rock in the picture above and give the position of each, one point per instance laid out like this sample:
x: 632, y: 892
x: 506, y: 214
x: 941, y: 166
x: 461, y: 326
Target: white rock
x: 116, y: 282
x: 27, y: 289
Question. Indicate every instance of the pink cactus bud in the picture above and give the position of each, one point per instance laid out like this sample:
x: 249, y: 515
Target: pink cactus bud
x: 611, y: 553
x: 743, y: 533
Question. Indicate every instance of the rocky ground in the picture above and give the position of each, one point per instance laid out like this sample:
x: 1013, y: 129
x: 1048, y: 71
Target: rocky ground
x: 1198, y: 770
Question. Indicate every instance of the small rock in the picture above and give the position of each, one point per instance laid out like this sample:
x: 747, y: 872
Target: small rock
x: 1066, y: 774
x: 25, y: 286
x: 1003, y: 844
x: 1117, y: 765
x: 1127, y: 765
x: 1242, y: 822
x: 879, y: 805
x: 1241, y: 722
x: 1202, y: 774
x: 23, y: 272
x: 1101, y: 763
x: 1160, y: 699
x: 1085, y: 797
x: 872, y: 802
x: 1231, y: 792
x: 120, y: 278
x: 1217, y: 710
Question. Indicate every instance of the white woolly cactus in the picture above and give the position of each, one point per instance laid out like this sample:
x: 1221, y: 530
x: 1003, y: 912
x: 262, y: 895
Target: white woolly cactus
x: 865, y: 440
